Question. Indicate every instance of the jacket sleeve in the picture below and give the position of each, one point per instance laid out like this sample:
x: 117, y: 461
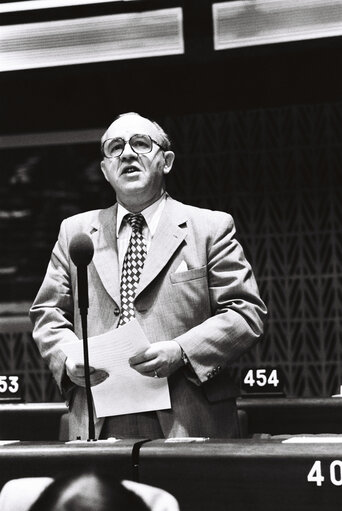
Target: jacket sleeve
x: 53, y: 310
x: 237, y: 309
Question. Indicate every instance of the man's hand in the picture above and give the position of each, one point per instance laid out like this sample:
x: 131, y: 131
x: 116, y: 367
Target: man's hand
x: 76, y: 374
x: 160, y: 359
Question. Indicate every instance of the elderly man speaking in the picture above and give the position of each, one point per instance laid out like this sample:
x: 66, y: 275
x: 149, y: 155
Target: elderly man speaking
x: 193, y: 294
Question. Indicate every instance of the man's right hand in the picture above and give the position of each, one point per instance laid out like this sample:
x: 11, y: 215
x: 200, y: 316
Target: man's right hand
x: 76, y: 374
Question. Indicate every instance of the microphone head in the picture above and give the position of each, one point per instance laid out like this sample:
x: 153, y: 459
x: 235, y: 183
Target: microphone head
x: 81, y: 249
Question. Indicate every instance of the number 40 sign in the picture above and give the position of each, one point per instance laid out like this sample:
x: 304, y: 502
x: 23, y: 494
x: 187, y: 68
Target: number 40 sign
x: 334, y: 475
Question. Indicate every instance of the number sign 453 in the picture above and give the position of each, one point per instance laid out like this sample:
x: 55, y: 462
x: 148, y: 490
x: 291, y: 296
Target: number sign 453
x: 9, y: 384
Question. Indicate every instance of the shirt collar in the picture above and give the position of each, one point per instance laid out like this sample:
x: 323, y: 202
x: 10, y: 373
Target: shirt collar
x: 148, y: 213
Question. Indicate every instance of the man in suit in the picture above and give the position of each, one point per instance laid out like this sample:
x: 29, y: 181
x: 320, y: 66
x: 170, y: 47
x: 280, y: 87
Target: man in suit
x: 195, y: 297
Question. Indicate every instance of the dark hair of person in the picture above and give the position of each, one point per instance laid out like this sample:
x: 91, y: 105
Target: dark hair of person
x: 88, y: 491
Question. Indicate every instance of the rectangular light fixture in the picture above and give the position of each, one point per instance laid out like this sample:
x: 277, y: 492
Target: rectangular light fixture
x: 33, y: 5
x: 92, y: 39
x: 256, y: 22
x: 51, y: 138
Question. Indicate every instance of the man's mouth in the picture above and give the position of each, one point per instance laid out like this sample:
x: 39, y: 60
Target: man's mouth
x: 130, y: 170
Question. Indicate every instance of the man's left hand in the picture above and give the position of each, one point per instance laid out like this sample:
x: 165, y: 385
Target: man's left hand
x: 160, y: 359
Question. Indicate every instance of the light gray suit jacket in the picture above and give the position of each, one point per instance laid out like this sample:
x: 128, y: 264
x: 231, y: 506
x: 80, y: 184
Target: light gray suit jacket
x: 213, y: 309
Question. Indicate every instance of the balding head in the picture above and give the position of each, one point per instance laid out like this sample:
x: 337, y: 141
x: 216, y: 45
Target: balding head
x: 84, y: 493
x: 88, y: 492
x: 136, y: 160
x: 162, y: 137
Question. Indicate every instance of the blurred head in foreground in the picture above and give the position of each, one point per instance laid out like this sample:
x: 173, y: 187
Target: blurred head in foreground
x: 88, y: 492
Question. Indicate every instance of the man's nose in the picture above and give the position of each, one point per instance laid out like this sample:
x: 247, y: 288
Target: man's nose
x: 127, y: 151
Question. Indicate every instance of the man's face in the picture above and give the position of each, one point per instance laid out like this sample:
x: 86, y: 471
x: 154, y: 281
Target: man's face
x: 138, y: 179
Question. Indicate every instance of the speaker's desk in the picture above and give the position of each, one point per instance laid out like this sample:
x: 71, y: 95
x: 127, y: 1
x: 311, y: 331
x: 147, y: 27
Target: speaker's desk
x: 241, y: 475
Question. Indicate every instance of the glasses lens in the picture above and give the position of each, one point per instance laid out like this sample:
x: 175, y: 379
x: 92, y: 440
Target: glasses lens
x: 113, y: 147
x: 141, y: 144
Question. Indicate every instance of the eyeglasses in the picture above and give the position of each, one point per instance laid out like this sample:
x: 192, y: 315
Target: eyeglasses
x: 140, y: 144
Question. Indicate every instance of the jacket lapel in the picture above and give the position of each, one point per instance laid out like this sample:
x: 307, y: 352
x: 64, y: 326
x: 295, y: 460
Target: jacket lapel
x: 167, y: 239
x: 105, y: 258
x: 165, y: 242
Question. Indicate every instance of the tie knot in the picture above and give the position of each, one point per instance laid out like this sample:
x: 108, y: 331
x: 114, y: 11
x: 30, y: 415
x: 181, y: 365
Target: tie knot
x: 136, y: 221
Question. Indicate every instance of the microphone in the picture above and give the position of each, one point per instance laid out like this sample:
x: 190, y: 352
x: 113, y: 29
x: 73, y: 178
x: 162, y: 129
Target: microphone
x: 81, y: 250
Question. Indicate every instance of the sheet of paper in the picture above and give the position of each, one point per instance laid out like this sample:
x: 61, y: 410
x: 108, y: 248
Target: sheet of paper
x: 125, y: 390
x: 313, y: 440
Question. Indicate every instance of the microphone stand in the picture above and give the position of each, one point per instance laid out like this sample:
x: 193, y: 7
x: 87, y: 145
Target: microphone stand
x: 82, y: 280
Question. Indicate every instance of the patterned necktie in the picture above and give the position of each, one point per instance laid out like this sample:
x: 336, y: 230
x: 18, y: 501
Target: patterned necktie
x: 132, y: 267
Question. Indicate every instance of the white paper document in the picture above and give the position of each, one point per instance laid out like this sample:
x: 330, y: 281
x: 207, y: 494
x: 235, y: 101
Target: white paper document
x: 313, y: 440
x: 125, y: 390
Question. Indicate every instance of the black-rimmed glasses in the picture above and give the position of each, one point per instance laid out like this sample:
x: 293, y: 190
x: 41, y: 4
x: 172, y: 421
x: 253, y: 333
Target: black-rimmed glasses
x: 140, y: 144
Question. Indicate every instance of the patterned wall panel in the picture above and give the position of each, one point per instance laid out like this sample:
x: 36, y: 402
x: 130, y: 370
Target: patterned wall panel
x: 19, y: 356
x: 277, y: 171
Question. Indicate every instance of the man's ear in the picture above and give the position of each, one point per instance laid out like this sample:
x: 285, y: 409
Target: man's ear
x: 104, y: 170
x: 169, y: 159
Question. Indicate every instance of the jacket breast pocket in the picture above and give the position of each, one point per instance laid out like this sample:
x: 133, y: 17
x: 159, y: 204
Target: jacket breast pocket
x: 184, y: 276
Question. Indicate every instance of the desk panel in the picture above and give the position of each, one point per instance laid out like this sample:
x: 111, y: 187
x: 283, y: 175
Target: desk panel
x: 30, y: 459
x: 41, y: 421
x: 31, y: 421
x: 278, y: 416
x: 242, y: 475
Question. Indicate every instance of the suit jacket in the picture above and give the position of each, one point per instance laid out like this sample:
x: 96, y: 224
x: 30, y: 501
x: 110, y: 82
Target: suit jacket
x: 213, y: 309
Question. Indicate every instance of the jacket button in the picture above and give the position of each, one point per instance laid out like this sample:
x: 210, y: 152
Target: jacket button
x: 116, y: 311
x: 209, y: 375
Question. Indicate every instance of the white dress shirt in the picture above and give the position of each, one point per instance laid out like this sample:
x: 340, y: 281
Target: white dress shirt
x: 152, y: 216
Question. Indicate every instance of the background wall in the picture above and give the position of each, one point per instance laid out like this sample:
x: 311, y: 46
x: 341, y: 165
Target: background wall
x: 277, y: 170
x: 257, y: 133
